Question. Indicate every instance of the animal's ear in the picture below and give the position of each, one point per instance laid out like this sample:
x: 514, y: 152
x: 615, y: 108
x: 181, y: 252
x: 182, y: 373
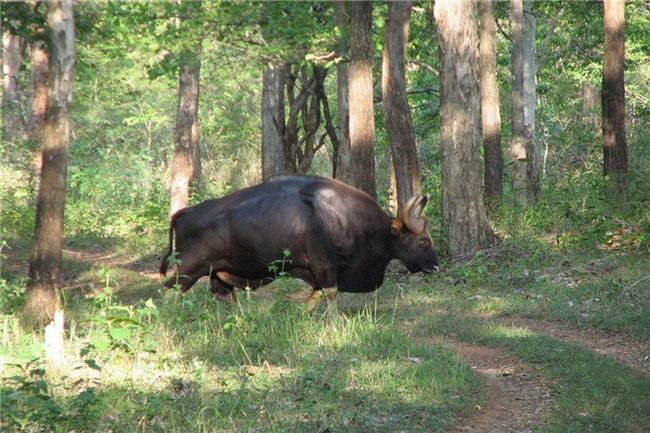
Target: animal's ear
x: 395, y: 226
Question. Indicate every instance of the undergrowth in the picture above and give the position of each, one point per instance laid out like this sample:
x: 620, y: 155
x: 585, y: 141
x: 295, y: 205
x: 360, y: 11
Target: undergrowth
x: 189, y: 363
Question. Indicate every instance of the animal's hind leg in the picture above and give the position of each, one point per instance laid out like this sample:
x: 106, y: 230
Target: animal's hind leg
x: 314, y: 299
x: 332, y: 308
x: 222, y: 290
x: 185, y: 282
x: 186, y: 278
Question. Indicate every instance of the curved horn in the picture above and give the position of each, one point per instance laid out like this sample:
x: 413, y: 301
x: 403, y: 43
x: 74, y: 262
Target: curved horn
x: 411, y: 213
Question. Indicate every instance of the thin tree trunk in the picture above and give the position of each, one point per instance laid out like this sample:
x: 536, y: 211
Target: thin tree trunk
x: 12, y: 121
x: 393, y: 204
x: 186, y: 163
x: 530, y: 97
x: 490, y: 109
x: 342, y: 160
x: 273, y: 157
x: 396, y: 107
x: 615, y: 145
x: 466, y: 222
x: 320, y: 73
x: 362, y: 121
x: 311, y: 120
x: 39, y: 58
x: 520, y: 182
x: 45, y: 263
x: 590, y: 102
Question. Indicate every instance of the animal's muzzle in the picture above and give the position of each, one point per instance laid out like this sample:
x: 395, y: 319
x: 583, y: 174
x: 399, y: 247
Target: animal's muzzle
x: 432, y: 269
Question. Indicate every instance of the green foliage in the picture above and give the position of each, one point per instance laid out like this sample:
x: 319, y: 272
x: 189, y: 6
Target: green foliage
x: 26, y: 401
x: 12, y: 294
x: 277, y: 267
x: 123, y: 326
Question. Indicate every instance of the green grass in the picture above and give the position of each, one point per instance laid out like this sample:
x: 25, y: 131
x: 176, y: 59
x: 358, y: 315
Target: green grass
x: 190, y: 364
x: 529, y: 278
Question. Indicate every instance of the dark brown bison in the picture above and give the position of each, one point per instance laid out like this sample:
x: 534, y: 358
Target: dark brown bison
x: 338, y: 237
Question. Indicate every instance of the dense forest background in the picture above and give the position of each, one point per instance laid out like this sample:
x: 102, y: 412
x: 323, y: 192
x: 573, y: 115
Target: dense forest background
x: 573, y: 254
x: 126, y: 91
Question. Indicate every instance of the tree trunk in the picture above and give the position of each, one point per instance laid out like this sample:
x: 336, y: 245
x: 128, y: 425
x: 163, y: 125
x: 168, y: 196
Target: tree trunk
x: 273, y: 157
x: 615, y: 145
x: 590, y: 102
x: 305, y: 115
x: 521, y: 189
x: 45, y: 263
x: 463, y: 210
x: 186, y: 163
x: 39, y: 59
x: 396, y: 107
x: 311, y: 120
x: 490, y: 110
x: 530, y: 97
x: 342, y: 161
x: 393, y: 205
x: 12, y: 121
x: 362, y: 121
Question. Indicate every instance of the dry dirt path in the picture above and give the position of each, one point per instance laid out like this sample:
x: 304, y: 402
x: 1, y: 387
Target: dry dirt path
x: 518, y: 395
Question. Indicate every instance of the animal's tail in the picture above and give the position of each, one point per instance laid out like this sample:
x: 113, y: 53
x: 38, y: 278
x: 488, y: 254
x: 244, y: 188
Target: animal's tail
x: 172, y: 226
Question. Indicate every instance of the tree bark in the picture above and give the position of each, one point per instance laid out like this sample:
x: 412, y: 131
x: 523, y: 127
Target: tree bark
x: 393, y: 204
x: 362, y: 122
x: 615, y: 145
x: 273, y: 157
x: 466, y: 222
x: 45, y: 263
x: 12, y: 121
x: 396, y: 107
x: 530, y: 97
x: 186, y: 163
x: 521, y: 189
x: 39, y: 59
x: 342, y: 161
x: 490, y: 109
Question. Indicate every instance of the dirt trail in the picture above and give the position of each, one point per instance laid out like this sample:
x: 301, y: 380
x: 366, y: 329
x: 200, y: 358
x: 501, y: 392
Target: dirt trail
x: 518, y: 394
x: 634, y: 354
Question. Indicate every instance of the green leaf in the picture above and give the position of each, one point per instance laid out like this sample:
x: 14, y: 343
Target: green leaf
x: 119, y: 333
x: 92, y: 364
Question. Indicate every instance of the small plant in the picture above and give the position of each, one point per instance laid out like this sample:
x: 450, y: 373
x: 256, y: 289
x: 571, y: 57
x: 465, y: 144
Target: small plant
x: 26, y: 403
x: 278, y: 266
x: 104, y: 298
x: 174, y: 261
x: 121, y: 326
x: 12, y: 292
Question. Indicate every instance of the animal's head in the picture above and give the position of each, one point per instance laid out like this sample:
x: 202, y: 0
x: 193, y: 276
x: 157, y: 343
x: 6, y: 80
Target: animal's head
x: 414, y: 246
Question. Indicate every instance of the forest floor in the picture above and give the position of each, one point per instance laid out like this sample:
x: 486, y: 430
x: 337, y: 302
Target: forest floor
x: 520, y: 339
